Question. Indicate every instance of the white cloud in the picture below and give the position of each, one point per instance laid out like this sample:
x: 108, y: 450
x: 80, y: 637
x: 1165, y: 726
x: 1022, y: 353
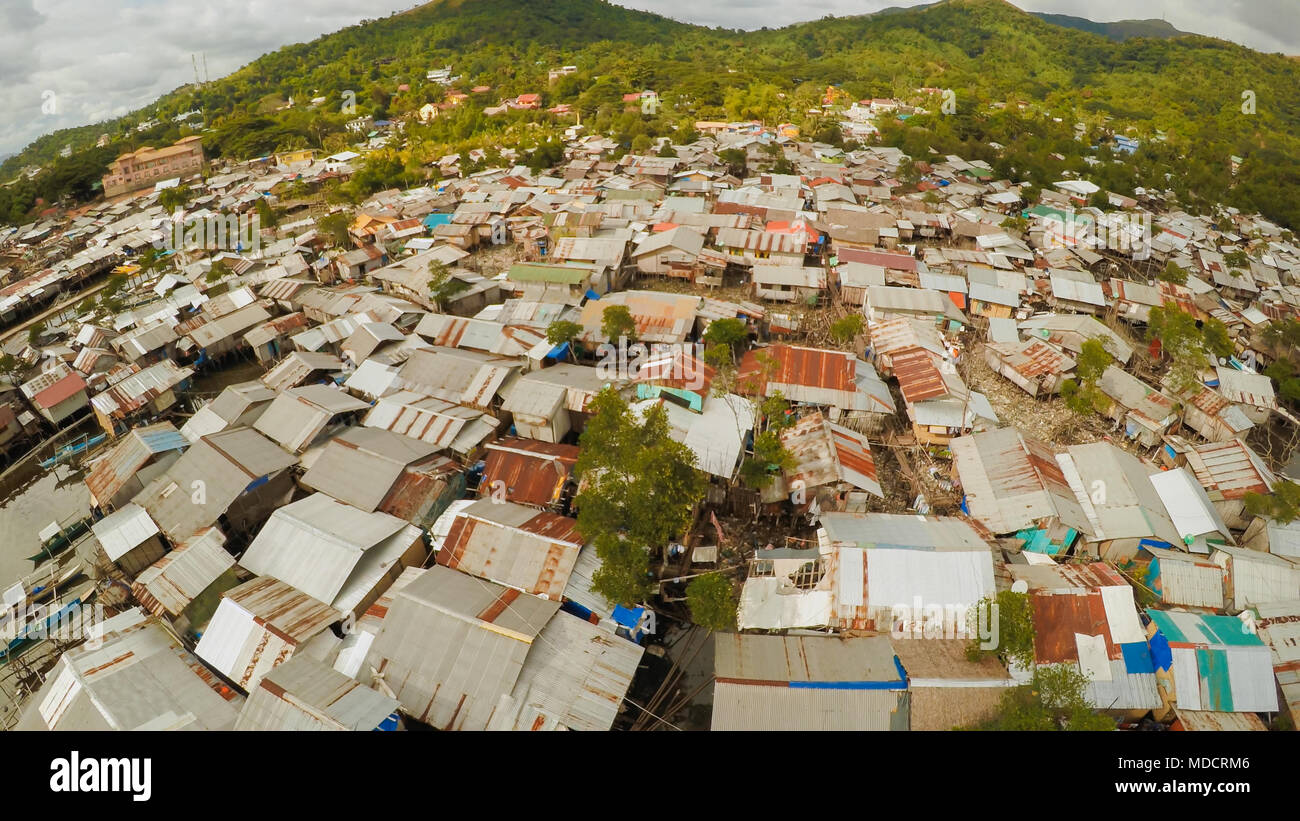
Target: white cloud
x: 104, y: 58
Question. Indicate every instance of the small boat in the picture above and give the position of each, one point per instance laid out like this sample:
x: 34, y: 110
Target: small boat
x: 33, y: 632
x: 60, y: 540
x: 66, y: 452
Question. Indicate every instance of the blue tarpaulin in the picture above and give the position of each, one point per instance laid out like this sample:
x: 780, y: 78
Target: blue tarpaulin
x: 1137, y: 658
x: 1161, y: 655
x: 592, y: 294
x: 559, y: 351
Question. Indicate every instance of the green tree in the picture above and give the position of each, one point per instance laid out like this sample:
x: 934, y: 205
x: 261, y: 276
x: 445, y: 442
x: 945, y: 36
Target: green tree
x: 563, y: 332
x: 775, y: 411
x: 1055, y: 699
x: 1282, y: 505
x: 176, y: 197
x: 267, y: 217
x: 641, y: 487
x: 444, y: 284
x: 712, y: 600
x: 218, y: 271
x: 335, y: 226
x: 616, y: 322
x: 1009, y: 618
x: 848, y: 328
x: 11, y: 368
x: 1093, y: 361
x: 34, y: 333
x: 1173, y: 273
x: 770, y: 459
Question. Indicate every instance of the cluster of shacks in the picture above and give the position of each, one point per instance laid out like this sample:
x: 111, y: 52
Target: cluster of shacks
x: 379, y: 528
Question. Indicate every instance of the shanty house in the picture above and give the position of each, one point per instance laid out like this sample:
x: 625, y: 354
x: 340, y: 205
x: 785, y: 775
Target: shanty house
x: 137, y: 676
x: 334, y: 552
x: 807, y: 683
x: 260, y: 624
x: 452, y: 646
x: 513, y: 545
x: 1208, y: 662
x: 235, y: 477
x: 303, y: 694
x: 134, y: 460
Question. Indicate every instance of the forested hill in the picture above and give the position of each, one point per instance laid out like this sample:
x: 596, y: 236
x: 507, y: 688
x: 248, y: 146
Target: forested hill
x: 1118, y: 30
x: 1019, y: 80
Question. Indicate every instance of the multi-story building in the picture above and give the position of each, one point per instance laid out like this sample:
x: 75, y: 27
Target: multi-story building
x: 146, y: 166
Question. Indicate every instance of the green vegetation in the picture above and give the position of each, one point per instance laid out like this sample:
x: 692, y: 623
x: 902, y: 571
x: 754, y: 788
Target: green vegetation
x: 1054, y: 700
x: 1082, y: 395
x: 848, y: 328
x: 1282, y: 505
x: 34, y: 333
x: 641, y: 489
x: 561, y: 331
x: 1014, y: 628
x: 1193, y: 345
x: 987, y: 52
x: 1173, y: 273
x: 444, y: 284
x: 712, y: 600
x: 172, y: 198
x: 616, y: 322
x: 770, y: 459
x: 335, y: 226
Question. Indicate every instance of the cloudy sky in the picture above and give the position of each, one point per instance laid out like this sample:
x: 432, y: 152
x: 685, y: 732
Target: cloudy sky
x: 70, y: 62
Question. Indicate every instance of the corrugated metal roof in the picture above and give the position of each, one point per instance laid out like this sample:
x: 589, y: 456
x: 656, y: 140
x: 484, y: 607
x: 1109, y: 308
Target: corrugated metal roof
x: 783, y: 660
x: 257, y: 626
x: 176, y: 579
x: 224, y: 465
x: 303, y: 694
x: 530, y: 472
x: 435, y: 421
x: 1013, y: 482
x: 919, y: 377
x: 454, y: 375
x: 124, y: 529
x: 133, y: 392
x: 513, y: 545
x: 137, y: 677
x: 360, y: 465
x: 826, y: 453
x: 453, y: 645
x: 747, y: 707
x: 297, y: 367
x: 110, y: 473
x: 296, y: 417
x: 574, y: 677
x: 328, y: 549
x: 1229, y: 470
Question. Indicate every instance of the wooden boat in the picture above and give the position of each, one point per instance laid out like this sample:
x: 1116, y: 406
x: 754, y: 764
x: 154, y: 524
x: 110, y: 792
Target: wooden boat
x: 66, y: 452
x: 60, y: 541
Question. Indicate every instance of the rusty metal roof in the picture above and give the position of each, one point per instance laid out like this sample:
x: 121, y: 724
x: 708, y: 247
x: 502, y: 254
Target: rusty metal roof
x: 111, y: 472
x: 1059, y: 616
x: 918, y: 376
x: 809, y: 367
x: 826, y: 453
x: 1230, y: 470
x: 531, y: 472
x: 513, y: 545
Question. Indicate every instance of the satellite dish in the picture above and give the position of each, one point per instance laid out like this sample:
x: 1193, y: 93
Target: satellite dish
x: 1020, y: 586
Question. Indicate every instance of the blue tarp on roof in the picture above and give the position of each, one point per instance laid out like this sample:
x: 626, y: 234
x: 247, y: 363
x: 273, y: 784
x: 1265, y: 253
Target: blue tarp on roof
x: 434, y: 220
x: 559, y: 351
x: 1161, y: 656
x: 592, y: 294
x: 1137, y: 658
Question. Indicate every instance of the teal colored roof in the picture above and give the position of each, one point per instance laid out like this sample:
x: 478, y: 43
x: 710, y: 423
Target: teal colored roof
x: 1194, y: 628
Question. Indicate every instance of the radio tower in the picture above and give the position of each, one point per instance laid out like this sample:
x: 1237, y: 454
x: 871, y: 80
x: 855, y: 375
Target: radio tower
x: 194, y: 62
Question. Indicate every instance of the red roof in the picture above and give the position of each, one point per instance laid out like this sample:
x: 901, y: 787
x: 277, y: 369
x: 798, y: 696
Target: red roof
x: 809, y: 367
x: 64, y: 389
x: 524, y: 99
x: 918, y: 376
